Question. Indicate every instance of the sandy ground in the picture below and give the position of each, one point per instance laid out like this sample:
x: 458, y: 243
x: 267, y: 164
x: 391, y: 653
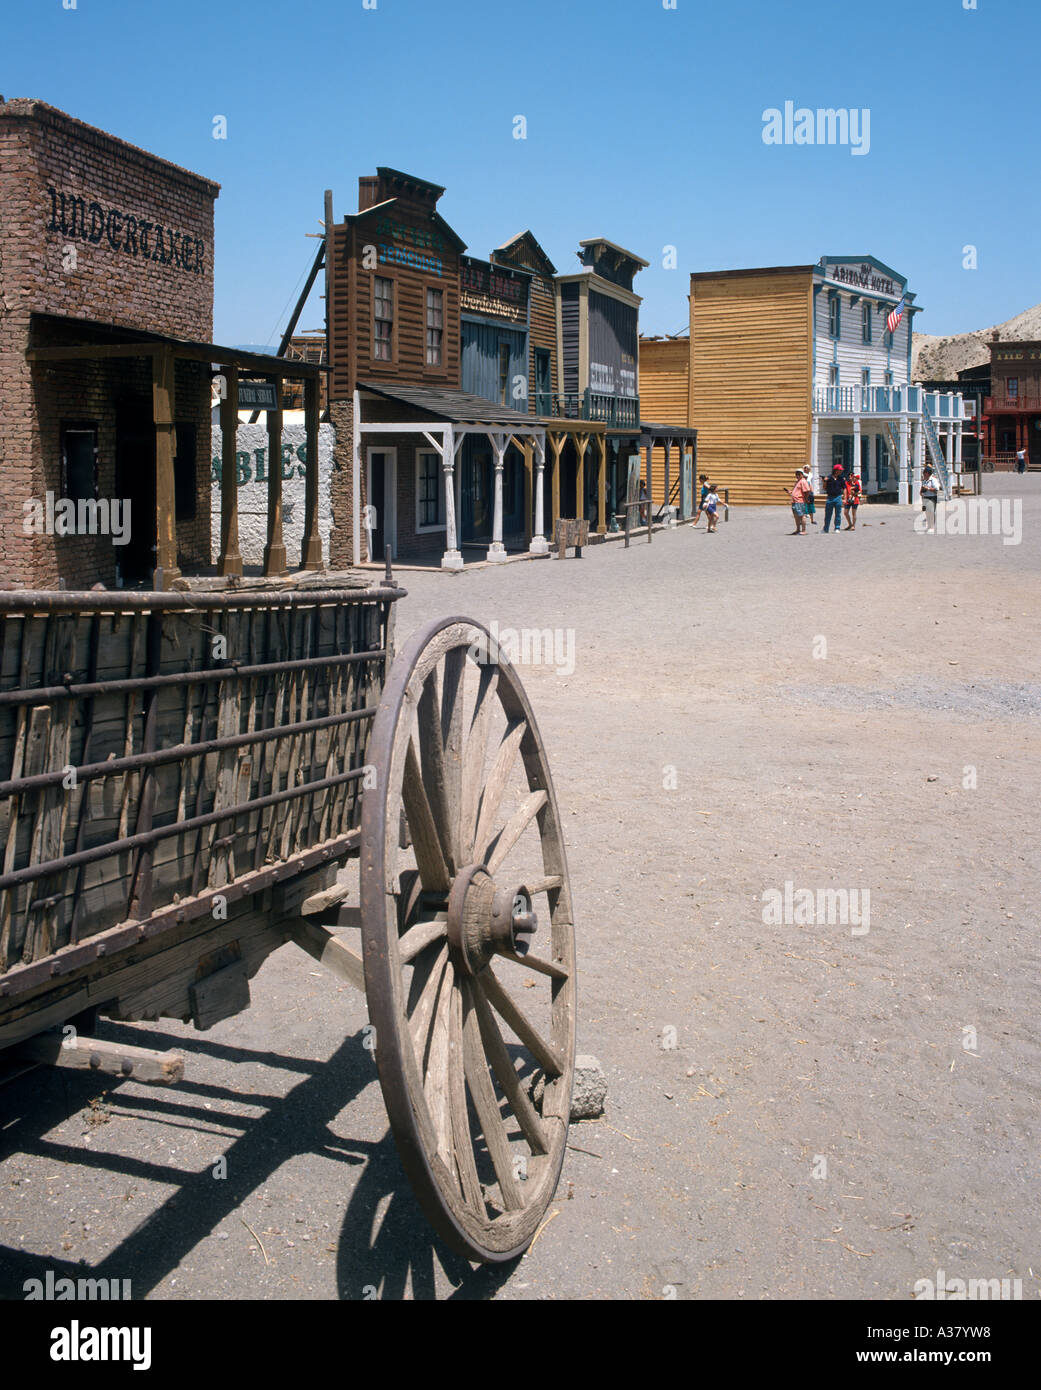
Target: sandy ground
x: 797, y: 1109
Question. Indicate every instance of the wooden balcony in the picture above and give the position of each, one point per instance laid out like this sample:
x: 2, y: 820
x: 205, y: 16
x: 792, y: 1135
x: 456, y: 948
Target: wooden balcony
x: 1011, y: 405
x: 890, y: 402
x: 617, y: 412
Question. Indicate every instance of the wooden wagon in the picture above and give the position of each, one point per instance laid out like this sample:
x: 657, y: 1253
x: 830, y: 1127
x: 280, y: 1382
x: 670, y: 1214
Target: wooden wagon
x: 190, y: 781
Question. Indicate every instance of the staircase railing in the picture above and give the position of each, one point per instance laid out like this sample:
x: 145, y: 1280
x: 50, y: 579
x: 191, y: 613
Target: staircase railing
x: 936, y: 458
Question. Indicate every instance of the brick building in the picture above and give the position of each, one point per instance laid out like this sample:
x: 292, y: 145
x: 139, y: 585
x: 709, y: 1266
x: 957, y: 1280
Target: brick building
x: 106, y: 316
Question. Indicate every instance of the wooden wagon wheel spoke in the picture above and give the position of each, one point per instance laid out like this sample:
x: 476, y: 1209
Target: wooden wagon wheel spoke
x: 457, y: 749
x: 425, y: 839
x: 496, y: 785
x: 488, y: 1112
x: 506, y: 1073
x: 419, y: 937
x: 504, y: 840
x: 474, y: 758
x: 548, y: 1058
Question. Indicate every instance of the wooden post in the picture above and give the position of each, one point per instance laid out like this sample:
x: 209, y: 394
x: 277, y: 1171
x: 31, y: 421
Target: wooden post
x: 581, y: 444
x: 275, y: 551
x: 556, y: 443
x: 601, y: 487
x: 668, y: 476
x: 650, y: 494
x: 165, y: 496
x: 230, y: 561
x: 528, y: 449
x: 311, y: 550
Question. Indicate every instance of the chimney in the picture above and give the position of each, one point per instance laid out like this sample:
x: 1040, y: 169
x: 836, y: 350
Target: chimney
x: 367, y: 192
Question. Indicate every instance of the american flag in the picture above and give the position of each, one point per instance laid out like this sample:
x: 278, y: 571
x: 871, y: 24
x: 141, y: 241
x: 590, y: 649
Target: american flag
x: 895, y: 315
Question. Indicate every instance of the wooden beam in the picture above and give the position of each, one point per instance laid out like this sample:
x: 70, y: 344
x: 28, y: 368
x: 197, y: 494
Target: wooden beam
x: 330, y: 951
x: 115, y: 1059
x: 165, y: 495
x: 230, y: 561
x: 93, y: 351
x: 275, y: 550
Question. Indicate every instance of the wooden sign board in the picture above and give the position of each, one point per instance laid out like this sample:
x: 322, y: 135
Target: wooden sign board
x: 258, y: 395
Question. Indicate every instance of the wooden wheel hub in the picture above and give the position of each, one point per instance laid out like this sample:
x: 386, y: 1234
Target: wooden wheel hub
x: 484, y: 921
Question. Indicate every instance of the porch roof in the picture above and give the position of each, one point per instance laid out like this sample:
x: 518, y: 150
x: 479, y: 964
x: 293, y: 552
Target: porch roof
x: 658, y: 434
x: 111, y: 340
x: 446, y: 403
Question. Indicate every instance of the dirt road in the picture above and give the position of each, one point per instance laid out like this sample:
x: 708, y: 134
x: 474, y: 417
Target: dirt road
x: 800, y: 780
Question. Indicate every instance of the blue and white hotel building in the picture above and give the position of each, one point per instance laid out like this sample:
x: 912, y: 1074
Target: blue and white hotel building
x: 866, y: 412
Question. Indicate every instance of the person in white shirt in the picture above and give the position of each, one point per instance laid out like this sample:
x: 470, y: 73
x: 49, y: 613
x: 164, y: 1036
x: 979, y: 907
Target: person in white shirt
x: 930, y: 491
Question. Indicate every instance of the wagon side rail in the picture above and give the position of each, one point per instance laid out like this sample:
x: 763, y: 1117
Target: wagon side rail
x: 163, y: 756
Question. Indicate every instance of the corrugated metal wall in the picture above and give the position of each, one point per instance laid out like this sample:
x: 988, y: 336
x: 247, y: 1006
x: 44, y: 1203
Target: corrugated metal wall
x: 481, y: 361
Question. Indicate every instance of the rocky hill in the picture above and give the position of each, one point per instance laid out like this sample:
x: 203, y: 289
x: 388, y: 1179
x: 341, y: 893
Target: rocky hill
x: 940, y: 359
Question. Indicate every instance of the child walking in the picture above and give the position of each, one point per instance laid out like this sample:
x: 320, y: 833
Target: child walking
x: 710, y: 506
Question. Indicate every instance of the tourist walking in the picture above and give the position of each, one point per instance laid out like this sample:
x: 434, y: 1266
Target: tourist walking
x: 811, y: 501
x: 930, y: 492
x: 1021, y: 460
x: 703, y: 480
x: 798, y: 495
x: 834, y: 487
x: 645, y: 518
x: 711, y: 505
x: 851, y: 498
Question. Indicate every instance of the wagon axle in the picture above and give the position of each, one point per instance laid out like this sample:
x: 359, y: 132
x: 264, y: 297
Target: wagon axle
x: 484, y: 921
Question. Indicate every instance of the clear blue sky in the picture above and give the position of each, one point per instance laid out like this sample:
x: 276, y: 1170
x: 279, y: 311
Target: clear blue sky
x: 644, y: 125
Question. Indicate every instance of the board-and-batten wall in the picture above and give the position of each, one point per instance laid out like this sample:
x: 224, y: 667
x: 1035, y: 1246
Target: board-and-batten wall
x: 664, y: 390
x: 850, y: 352
x: 480, y: 373
x: 351, y: 313
x: 750, y: 379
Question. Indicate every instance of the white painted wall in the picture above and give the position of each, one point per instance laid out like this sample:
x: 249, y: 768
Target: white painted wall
x: 252, y: 441
x: 853, y: 355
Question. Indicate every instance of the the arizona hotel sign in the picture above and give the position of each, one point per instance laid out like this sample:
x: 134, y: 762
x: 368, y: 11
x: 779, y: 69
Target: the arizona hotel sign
x: 74, y: 216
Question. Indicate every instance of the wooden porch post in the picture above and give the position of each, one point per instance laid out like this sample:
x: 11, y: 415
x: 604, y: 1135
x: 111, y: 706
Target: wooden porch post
x: 165, y: 497
x: 528, y: 449
x: 556, y: 442
x: 230, y: 561
x: 581, y: 445
x: 668, y: 478
x: 274, y: 551
x: 601, y: 488
x: 311, y: 550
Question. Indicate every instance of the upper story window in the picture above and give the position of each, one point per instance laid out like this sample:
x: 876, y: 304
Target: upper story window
x: 1012, y: 388
x: 834, y: 314
x: 435, y: 326
x: 833, y: 374
x: 504, y: 373
x: 888, y: 339
x: 865, y: 376
x: 865, y: 322
x: 889, y: 378
x: 383, y: 319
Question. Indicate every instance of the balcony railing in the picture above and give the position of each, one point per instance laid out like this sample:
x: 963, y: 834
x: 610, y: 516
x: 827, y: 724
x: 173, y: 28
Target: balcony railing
x: 620, y: 412
x: 1004, y: 405
x: 890, y: 401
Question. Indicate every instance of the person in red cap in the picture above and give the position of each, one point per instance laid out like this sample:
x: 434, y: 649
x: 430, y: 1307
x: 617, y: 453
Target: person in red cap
x: 834, y: 487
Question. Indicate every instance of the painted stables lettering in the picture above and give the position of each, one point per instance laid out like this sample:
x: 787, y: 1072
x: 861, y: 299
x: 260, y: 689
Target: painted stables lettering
x: 245, y: 471
x: 135, y: 236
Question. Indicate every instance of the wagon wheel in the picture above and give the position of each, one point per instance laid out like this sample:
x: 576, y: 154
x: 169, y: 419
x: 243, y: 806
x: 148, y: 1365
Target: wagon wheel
x: 468, y: 940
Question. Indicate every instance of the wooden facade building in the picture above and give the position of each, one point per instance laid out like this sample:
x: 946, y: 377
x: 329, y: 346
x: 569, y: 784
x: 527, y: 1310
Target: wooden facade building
x: 1012, y: 410
x: 106, y: 364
